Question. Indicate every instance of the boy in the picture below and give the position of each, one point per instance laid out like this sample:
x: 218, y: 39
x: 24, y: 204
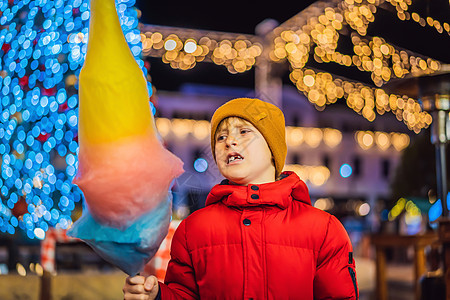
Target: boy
x: 258, y: 236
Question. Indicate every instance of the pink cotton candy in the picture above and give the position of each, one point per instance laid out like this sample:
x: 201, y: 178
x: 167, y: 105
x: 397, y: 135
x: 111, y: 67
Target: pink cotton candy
x: 123, y: 180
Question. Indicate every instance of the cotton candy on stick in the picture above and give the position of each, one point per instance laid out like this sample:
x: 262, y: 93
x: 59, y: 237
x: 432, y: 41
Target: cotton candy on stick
x: 124, y: 171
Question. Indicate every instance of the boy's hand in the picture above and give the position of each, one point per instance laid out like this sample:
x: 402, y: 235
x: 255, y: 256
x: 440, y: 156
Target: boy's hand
x: 139, y: 287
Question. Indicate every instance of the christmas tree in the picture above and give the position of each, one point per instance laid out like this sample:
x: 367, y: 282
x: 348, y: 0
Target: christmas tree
x: 43, y: 45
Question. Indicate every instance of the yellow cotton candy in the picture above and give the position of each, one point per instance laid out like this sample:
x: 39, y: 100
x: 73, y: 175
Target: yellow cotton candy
x: 114, y: 100
x: 123, y: 169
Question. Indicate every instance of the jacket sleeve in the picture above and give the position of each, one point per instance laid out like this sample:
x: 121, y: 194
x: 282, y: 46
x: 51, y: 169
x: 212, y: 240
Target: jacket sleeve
x: 180, y: 278
x: 335, y: 272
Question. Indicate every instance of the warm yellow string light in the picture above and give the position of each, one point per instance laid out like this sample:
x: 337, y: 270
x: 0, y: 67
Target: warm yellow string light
x: 237, y: 55
x: 321, y: 33
x: 316, y: 33
x: 402, y: 7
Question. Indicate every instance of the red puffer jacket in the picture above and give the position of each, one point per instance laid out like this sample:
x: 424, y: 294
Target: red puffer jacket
x: 260, y: 242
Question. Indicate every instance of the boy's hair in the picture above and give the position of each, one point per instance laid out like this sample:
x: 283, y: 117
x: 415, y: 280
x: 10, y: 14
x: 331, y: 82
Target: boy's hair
x: 225, y: 123
x: 266, y: 117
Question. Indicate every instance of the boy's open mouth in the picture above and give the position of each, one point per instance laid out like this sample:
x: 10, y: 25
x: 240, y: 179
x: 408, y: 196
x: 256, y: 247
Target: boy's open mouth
x: 234, y: 157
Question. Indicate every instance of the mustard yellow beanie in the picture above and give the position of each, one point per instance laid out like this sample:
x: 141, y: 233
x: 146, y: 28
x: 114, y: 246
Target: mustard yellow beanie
x: 266, y: 117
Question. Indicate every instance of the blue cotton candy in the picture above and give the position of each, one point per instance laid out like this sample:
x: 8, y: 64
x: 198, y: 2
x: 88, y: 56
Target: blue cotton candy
x: 131, y: 248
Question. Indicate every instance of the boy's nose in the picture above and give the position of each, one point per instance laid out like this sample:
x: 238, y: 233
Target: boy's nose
x: 231, y: 141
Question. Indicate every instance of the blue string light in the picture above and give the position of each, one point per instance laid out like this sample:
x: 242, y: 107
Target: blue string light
x: 42, y: 48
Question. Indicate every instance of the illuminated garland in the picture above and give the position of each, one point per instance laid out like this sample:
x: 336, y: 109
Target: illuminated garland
x: 43, y: 45
x: 182, y: 49
x: 402, y: 7
x: 314, y: 32
x: 317, y: 29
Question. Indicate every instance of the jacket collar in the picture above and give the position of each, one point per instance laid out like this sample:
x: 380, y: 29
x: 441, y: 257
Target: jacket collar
x: 279, y: 193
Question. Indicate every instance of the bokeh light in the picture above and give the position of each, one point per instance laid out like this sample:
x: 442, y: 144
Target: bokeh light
x: 200, y: 165
x: 345, y: 170
x: 363, y: 209
x: 43, y: 46
x: 316, y: 175
x: 436, y: 209
x: 324, y: 203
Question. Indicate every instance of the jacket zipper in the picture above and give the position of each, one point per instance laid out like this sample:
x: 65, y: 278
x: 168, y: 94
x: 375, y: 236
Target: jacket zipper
x: 353, y: 276
x: 263, y: 227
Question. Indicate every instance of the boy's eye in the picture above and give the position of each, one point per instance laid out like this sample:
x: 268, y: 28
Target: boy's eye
x: 221, y: 137
x: 243, y: 131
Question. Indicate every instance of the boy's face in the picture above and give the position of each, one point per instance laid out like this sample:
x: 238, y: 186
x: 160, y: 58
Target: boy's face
x: 242, y: 153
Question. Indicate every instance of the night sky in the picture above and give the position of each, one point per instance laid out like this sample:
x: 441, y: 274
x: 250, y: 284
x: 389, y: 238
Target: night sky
x: 231, y: 16
x: 243, y: 17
